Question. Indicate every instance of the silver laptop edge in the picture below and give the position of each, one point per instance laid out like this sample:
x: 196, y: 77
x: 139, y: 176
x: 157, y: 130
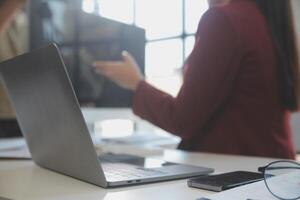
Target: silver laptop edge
x: 52, y: 122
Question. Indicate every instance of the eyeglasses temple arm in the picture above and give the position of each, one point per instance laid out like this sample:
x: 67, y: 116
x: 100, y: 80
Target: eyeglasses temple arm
x: 263, y: 169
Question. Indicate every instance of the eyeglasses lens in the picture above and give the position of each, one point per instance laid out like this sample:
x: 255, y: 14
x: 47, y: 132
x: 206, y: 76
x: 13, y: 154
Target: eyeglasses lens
x: 283, y: 180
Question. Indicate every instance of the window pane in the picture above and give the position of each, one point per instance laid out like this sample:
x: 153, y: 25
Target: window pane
x: 189, y: 45
x: 194, y: 9
x: 119, y: 10
x: 88, y: 6
x: 170, y: 84
x: 160, y: 18
x: 162, y: 58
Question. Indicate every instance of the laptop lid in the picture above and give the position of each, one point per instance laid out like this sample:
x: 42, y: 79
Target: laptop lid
x: 49, y: 115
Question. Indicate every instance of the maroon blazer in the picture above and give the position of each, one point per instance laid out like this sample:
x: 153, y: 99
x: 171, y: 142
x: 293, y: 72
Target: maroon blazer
x: 230, y: 98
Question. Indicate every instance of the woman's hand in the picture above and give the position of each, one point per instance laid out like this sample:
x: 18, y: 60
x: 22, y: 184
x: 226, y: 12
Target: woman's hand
x: 125, y: 73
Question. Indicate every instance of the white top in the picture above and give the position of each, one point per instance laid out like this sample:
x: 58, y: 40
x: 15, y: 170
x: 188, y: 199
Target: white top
x: 24, y: 180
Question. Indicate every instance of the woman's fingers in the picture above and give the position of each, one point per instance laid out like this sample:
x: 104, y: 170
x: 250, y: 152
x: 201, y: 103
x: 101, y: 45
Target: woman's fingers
x: 106, y: 68
x: 128, y: 57
x: 125, y: 73
x: 103, y: 64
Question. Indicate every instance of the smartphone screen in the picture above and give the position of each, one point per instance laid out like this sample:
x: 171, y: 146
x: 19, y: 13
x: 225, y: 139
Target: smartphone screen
x: 225, y: 181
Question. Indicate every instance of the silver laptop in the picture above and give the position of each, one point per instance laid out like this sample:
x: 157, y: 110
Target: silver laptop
x: 55, y: 131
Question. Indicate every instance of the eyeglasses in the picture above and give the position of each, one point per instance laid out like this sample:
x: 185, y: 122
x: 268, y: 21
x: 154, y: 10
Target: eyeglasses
x: 282, y: 178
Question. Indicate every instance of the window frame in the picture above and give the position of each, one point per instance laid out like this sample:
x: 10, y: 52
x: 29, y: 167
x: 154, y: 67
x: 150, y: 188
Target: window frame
x: 183, y: 36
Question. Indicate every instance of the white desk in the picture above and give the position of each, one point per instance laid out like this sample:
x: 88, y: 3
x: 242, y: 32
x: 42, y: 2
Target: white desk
x: 22, y: 180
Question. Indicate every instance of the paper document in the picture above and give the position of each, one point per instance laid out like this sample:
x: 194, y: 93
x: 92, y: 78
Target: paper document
x: 14, y: 148
x: 12, y: 143
x: 258, y: 190
x: 15, y: 154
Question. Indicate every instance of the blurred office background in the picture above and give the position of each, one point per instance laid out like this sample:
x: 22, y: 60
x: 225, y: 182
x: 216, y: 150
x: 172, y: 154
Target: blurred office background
x: 160, y: 35
x: 169, y: 27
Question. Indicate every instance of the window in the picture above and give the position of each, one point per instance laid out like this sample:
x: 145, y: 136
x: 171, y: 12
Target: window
x: 119, y: 10
x: 170, y: 28
x: 161, y: 19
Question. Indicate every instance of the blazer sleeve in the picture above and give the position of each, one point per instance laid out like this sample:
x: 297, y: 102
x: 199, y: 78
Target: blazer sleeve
x: 208, y: 81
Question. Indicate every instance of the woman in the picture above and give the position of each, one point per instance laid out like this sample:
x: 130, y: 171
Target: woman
x: 238, y: 87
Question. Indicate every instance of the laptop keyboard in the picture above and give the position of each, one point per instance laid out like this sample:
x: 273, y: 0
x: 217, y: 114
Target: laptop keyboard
x: 118, y: 167
x: 120, y: 171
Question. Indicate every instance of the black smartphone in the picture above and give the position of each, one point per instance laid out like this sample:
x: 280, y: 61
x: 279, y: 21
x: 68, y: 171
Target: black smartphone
x: 224, y: 181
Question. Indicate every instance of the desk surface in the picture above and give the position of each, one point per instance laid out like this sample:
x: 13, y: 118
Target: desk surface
x: 22, y: 180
